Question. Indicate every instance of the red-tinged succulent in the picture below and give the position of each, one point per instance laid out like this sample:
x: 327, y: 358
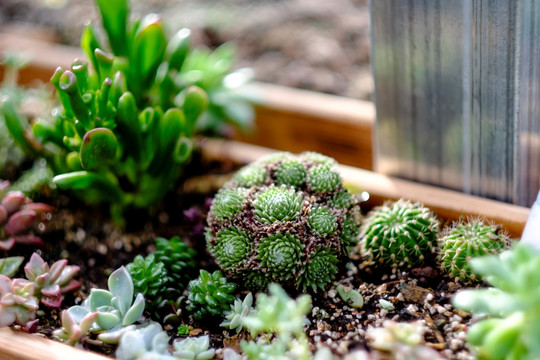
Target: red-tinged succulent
x: 17, y: 216
x: 51, y: 282
x: 17, y: 301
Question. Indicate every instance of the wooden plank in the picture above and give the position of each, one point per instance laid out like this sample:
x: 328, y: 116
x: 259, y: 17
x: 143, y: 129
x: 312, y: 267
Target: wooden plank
x: 447, y: 204
x: 16, y: 345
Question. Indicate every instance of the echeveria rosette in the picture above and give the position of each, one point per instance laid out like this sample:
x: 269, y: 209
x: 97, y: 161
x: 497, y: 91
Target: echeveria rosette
x: 462, y: 242
x: 275, y: 214
x: 399, y: 233
x: 512, y: 328
x: 239, y: 311
x: 210, y: 295
x: 18, y: 304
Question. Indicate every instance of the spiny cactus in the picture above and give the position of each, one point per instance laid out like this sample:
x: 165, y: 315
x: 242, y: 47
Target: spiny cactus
x: 465, y: 241
x: 17, y: 216
x: 285, y: 218
x: 399, y: 233
x: 209, y: 295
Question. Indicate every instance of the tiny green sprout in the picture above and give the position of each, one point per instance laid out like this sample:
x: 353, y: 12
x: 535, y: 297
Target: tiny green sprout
x: 183, y: 329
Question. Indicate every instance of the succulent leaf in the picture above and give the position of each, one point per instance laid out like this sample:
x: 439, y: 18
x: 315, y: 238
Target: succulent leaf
x: 209, y: 295
x: 228, y: 203
x: 323, y: 179
x: 319, y: 269
x: 250, y: 175
x: 291, y: 172
x: 281, y: 254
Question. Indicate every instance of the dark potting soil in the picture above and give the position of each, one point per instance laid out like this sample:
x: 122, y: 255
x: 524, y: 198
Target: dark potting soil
x: 87, y: 237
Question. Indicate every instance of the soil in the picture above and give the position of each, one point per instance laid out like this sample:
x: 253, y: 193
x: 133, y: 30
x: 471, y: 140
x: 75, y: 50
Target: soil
x: 316, y: 45
x: 87, y: 237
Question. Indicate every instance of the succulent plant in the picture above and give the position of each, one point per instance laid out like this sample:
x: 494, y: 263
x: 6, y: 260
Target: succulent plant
x: 17, y: 301
x: 193, y: 348
x: 400, y: 340
x: 51, y: 282
x: 17, y: 216
x: 278, y: 314
x: 512, y: 328
x: 210, y: 295
x: 72, y: 332
x: 399, y: 233
x: 125, y: 129
x: 148, y: 342
x: 239, y: 310
x: 178, y: 260
x: 465, y: 241
x: 149, y: 276
x: 285, y: 218
x: 10, y: 265
x: 116, y: 308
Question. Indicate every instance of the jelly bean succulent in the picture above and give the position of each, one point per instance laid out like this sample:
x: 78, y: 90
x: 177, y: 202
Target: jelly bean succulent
x: 285, y: 218
x: 399, y: 233
x: 512, y: 329
x: 116, y: 308
x: 17, y: 216
x: 210, y: 295
x: 126, y: 122
x: 463, y: 242
x: 72, y: 332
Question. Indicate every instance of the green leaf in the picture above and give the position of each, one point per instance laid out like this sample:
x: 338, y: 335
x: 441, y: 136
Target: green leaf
x: 68, y: 85
x: 178, y: 48
x: 99, y: 298
x: 128, y: 123
x: 183, y: 149
x: 193, y: 101
x: 105, y: 63
x: 107, y: 320
x: 114, y: 14
x: 98, y: 149
x: 85, y: 179
x: 10, y: 265
x: 135, y: 311
x: 89, y: 44
x: 170, y: 129
x: 488, y: 301
x: 148, y: 48
x: 121, y: 285
x: 17, y: 125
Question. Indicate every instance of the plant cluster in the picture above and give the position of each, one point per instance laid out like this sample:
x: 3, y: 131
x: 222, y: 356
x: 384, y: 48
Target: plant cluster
x: 20, y: 298
x: 513, y: 327
x: 285, y: 218
x: 126, y: 123
x: 17, y: 216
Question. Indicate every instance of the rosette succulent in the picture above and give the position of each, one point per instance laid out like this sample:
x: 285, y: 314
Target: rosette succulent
x: 239, y: 311
x: 17, y: 301
x: 17, y: 216
x: 399, y: 233
x: 210, y: 295
x: 285, y: 218
x: 465, y: 241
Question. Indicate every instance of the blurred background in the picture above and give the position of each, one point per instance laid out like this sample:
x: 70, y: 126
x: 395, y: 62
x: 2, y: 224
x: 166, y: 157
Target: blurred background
x: 316, y: 45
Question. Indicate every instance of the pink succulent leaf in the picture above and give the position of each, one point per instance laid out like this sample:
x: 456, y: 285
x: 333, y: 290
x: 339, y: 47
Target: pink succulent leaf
x: 24, y: 316
x: 7, y: 315
x: 5, y: 285
x: 35, y: 267
x: 67, y: 274
x: 31, y: 326
x: 7, y: 244
x: 29, y: 239
x: 3, y: 214
x: 53, y: 302
x: 8, y: 299
x: 13, y: 201
x: 29, y: 302
x: 39, y: 208
x: 51, y: 291
x: 71, y: 286
x: 88, y: 321
x: 56, y: 270
x: 20, y: 222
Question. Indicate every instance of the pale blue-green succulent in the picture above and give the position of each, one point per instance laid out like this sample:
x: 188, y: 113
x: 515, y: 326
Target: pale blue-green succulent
x: 239, y: 310
x: 285, y: 218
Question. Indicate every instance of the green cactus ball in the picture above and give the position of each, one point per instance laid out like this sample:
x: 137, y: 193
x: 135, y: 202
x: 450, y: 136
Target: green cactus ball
x: 285, y: 218
x: 467, y: 240
x: 399, y: 233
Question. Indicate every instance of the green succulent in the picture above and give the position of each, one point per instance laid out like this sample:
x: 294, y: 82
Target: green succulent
x: 465, y: 241
x: 239, y: 310
x: 193, y: 348
x: 10, y: 265
x: 399, y: 233
x: 149, y: 275
x: 278, y: 214
x: 210, y: 295
x: 178, y: 260
x: 512, y: 327
x: 319, y: 270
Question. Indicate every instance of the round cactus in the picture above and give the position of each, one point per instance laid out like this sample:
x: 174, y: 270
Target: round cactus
x: 285, y: 218
x: 399, y: 233
x: 464, y: 241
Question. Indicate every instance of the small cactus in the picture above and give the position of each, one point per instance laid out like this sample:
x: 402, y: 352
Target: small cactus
x: 399, y: 233
x: 285, y: 218
x: 17, y: 216
x: 465, y: 241
x: 209, y: 295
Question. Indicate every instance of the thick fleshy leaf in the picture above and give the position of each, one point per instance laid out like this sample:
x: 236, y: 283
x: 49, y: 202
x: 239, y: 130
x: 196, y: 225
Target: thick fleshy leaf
x: 13, y: 201
x: 99, y: 298
x: 7, y: 244
x: 114, y: 14
x: 35, y: 266
x: 178, y: 48
x: 128, y: 122
x: 193, y: 101
x: 487, y: 301
x: 135, y: 311
x: 149, y: 47
x: 121, y: 285
x: 56, y: 270
x: 20, y: 222
x: 108, y: 320
x: 28, y: 239
x: 10, y: 265
x: 77, y: 313
x: 3, y: 214
x: 39, y: 208
x: 98, y: 148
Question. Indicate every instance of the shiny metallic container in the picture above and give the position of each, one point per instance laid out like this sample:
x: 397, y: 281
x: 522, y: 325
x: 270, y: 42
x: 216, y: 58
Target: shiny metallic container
x: 457, y: 89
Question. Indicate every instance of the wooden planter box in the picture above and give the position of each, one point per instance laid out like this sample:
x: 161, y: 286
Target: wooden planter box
x: 287, y: 119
